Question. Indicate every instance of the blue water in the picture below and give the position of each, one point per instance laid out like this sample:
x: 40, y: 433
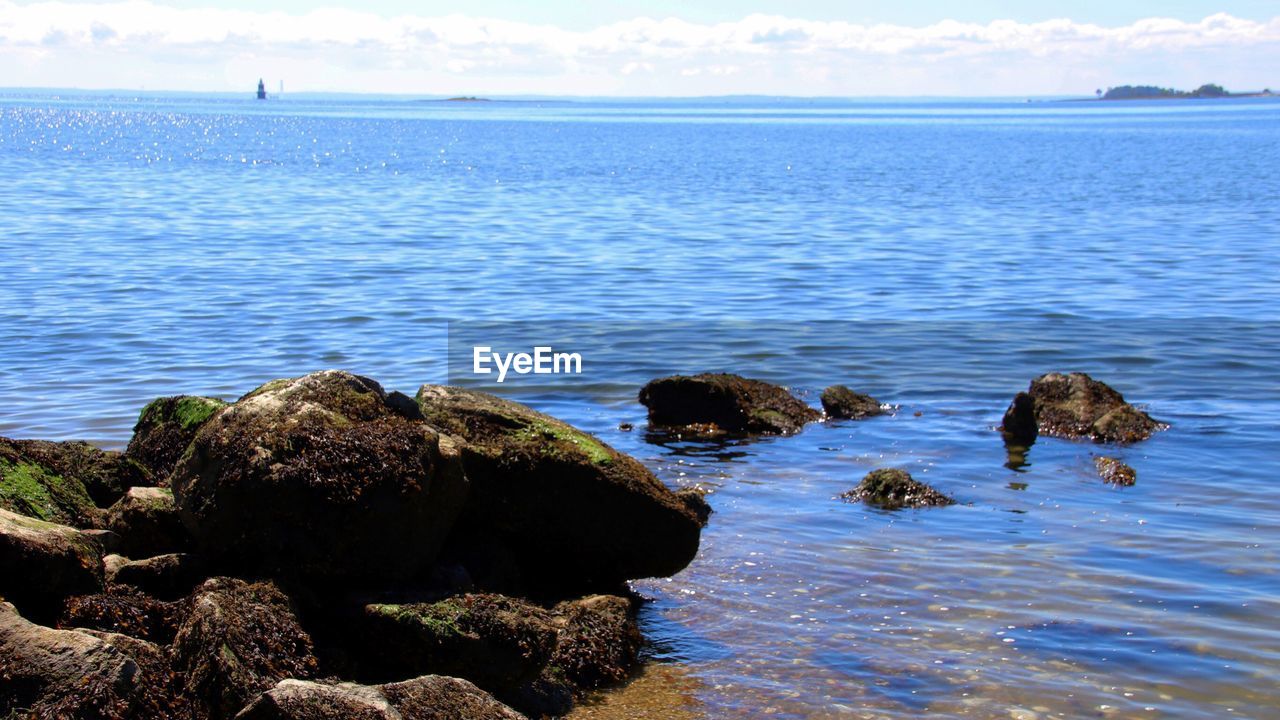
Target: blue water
x: 935, y: 254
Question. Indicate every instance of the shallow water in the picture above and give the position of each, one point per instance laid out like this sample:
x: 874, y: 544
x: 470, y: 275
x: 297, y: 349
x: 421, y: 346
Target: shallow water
x: 935, y: 254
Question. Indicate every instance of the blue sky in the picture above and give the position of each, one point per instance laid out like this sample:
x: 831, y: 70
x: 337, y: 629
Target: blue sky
x: 662, y: 47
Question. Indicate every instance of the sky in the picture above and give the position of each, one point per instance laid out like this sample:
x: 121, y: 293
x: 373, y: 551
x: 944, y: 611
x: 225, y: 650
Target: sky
x: 655, y: 48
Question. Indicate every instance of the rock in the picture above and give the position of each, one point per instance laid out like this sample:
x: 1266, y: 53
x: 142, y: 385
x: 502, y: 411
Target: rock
x: 167, y: 577
x: 495, y: 641
x: 112, y: 564
x: 894, y: 489
x: 320, y: 477
x: 158, y: 696
x: 41, y: 564
x: 841, y: 403
x: 695, y: 499
x: 165, y: 427
x: 1077, y: 406
x: 125, y: 611
x: 1019, y: 426
x: 146, y: 519
x: 730, y: 403
x: 1115, y: 472
x: 599, y: 641
x: 103, y: 475
x: 31, y: 487
x: 425, y: 698
x: 106, y: 540
x: 565, y: 510
x: 236, y: 641
x: 66, y: 674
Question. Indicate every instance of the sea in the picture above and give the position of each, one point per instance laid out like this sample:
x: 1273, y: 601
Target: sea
x: 937, y: 254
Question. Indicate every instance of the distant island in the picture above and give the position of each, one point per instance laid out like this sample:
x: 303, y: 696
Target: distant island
x: 1151, y: 92
x: 467, y: 99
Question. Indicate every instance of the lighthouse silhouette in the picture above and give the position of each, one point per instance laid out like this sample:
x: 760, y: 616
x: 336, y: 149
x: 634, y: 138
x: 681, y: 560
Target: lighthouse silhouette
x: 262, y: 90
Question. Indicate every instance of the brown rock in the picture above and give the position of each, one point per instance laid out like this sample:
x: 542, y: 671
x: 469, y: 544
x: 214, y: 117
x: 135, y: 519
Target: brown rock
x: 146, y: 519
x: 1115, y: 472
x: 730, y: 403
x: 41, y: 564
x: 894, y: 489
x: 425, y: 698
x: 841, y: 403
x: 1077, y: 406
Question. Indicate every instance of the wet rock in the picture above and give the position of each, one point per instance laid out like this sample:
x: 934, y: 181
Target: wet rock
x: 236, y: 641
x: 495, y: 641
x: 425, y: 698
x: 146, y: 519
x: 165, y: 427
x: 50, y: 673
x: 599, y: 641
x: 167, y: 577
x: 565, y: 510
x: 31, y: 485
x: 42, y: 563
x: 841, y: 403
x: 1115, y: 472
x: 695, y: 499
x: 103, y: 475
x: 124, y: 611
x: 319, y: 477
x: 1020, y: 426
x: 729, y: 403
x: 1077, y: 406
x: 894, y: 489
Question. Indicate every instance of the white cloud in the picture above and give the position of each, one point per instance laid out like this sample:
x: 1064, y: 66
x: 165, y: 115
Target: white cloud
x: 136, y: 42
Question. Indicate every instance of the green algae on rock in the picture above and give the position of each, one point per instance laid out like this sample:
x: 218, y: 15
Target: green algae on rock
x: 841, y: 403
x: 894, y: 489
x: 552, y: 508
x: 165, y: 427
x: 711, y: 403
x: 322, y: 476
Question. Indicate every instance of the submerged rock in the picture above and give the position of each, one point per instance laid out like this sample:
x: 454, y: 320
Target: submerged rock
x: 553, y: 506
x: 146, y: 519
x: 66, y: 472
x: 42, y: 563
x: 1115, y: 472
x: 50, y: 673
x: 165, y: 427
x: 425, y: 698
x: 1077, y: 406
x: 599, y: 641
x: 841, y: 403
x: 236, y: 641
x: 724, y: 402
x: 495, y: 641
x: 894, y: 489
x: 322, y: 476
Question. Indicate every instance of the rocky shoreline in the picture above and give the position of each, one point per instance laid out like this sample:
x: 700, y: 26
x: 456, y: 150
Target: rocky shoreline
x: 324, y: 548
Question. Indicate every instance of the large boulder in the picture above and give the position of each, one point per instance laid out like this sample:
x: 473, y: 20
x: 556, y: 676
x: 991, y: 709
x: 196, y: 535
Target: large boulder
x: 495, y: 641
x: 426, y: 698
x: 46, y: 673
x: 841, y: 403
x: 322, y: 476
x: 147, y: 521
x: 166, y: 577
x: 165, y: 427
x: 710, y: 403
x: 102, y: 475
x: 42, y: 563
x: 894, y: 489
x: 1075, y: 405
x: 564, y: 510
x: 236, y: 641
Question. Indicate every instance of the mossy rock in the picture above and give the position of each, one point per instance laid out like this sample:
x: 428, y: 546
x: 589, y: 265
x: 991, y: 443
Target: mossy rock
x: 320, y: 478
x: 42, y: 563
x: 147, y: 522
x: 238, y: 640
x: 553, y: 509
x: 495, y: 641
x: 713, y: 403
x: 894, y: 489
x: 841, y: 403
x: 63, y: 482
x: 1075, y: 405
x: 165, y: 427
